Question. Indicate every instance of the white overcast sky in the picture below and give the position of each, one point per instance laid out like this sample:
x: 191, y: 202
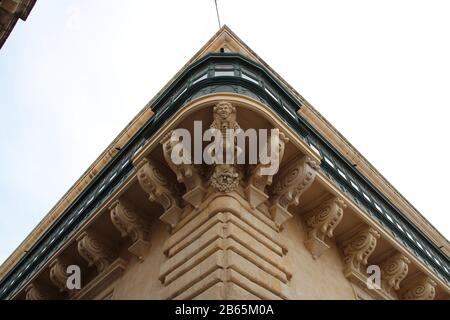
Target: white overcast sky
x: 76, y: 72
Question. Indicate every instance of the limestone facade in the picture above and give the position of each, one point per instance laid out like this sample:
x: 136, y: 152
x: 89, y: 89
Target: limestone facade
x: 225, y: 231
x: 213, y: 232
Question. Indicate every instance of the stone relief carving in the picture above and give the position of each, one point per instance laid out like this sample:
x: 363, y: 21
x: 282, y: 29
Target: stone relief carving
x: 33, y: 292
x: 321, y: 224
x: 159, y: 189
x: 424, y: 288
x: 58, y: 275
x: 94, y: 252
x: 290, y: 185
x: 186, y: 172
x: 257, y: 182
x: 393, y: 271
x: 225, y: 178
x: 224, y: 115
x: 359, y: 248
x: 129, y: 222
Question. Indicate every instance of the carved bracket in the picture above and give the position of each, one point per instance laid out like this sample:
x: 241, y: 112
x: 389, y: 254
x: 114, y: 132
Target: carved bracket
x: 129, y: 222
x: 94, y: 251
x: 160, y: 190
x: 321, y: 223
x: 185, y: 171
x: 358, y: 250
x: 393, y: 271
x: 34, y: 292
x: 424, y: 288
x: 288, y: 188
x: 257, y: 183
x: 225, y: 178
x: 58, y: 275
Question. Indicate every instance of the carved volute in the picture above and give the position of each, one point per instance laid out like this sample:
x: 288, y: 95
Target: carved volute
x: 423, y: 288
x: 321, y: 224
x: 94, y: 251
x: 393, y: 271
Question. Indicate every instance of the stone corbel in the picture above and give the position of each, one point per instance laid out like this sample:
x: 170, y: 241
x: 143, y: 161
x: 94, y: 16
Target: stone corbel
x: 393, y: 271
x: 424, y: 288
x: 94, y: 251
x: 258, y: 181
x: 289, y: 187
x: 185, y: 171
x: 129, y: 223
x: 34, y: 292
x: 321, y: 224
x: 58, y: 275
x: 225, y: 178
x: 160, y: 190
x: 357, y: 251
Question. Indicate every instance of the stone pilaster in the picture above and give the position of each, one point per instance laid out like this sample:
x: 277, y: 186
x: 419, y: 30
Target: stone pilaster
x: 225, y: 251
x: 225, y: 247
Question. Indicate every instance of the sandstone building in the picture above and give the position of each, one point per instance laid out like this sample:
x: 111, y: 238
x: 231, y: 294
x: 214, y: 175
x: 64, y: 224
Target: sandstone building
x: 141, y: 226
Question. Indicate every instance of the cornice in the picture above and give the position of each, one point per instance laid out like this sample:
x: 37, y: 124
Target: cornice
x: 267, y: 113
x: 139, y: 123
x: 352, y: 155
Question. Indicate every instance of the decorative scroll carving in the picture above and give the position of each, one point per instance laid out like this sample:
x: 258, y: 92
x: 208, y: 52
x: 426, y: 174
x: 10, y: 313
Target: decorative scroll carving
x: 128, y: 221
x: 321, y: 223
x: 393, y: 271
x: 290, y: 186
x: 94, y: 252
x: 159, y: 189
x: 258, y: 181
x: 33, y: 292
x: 185, y: 171
x: 58, y: 275
x: 423, y: 289
x: 359, y: 249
